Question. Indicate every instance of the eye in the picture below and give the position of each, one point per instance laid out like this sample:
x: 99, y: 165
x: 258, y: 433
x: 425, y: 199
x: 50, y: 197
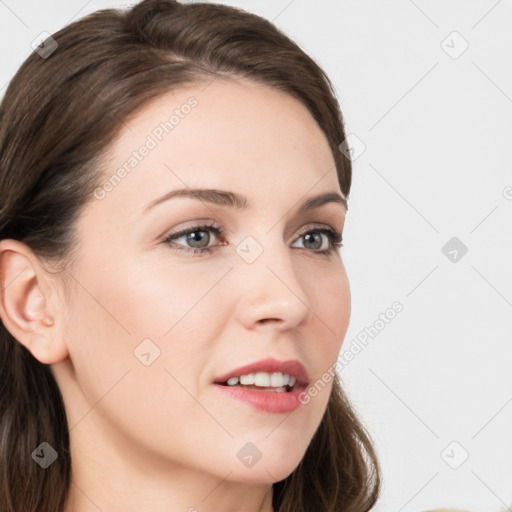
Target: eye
x: 199, y: 237
x: 315, y: 237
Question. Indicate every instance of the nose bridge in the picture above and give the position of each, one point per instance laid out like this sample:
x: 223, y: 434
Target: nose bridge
x: 272, y: 289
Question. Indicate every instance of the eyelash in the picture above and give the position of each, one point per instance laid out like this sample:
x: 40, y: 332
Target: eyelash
x: 335, y: 238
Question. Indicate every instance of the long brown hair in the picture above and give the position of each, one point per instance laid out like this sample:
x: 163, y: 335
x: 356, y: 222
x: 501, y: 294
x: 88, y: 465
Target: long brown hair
x: 60, y: 113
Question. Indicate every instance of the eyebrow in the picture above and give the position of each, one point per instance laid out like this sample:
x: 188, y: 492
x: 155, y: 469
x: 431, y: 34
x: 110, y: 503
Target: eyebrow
x: 240, y: 202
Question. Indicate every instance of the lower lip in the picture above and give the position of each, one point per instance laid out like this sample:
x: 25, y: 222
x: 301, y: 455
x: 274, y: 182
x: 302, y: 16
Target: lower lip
x: 267, y: 401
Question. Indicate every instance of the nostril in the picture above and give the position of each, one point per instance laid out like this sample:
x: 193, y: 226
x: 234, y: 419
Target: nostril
x: 265, y: 320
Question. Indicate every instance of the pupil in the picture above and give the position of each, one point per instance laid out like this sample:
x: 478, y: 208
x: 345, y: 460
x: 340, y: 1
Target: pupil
x: 194, y: 238
x: 318, y: 237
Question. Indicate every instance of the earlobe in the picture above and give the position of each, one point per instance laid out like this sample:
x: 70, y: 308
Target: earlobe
x: 24, y: 303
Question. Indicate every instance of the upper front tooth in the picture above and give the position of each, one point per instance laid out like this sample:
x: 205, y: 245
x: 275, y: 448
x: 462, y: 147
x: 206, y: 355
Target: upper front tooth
x: 262, y: 379
x: 247, y: 379
x: 277, y: 380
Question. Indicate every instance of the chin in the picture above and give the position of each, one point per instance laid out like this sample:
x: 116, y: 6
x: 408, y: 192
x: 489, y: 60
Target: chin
x: 264, y: 475
x: 265, y: 471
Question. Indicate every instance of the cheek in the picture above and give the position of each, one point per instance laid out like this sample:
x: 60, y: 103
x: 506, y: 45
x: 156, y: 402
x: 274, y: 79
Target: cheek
x: 163, y: 314
x: 123, y: 316
x: 331, y: 304
x: 162, y: 296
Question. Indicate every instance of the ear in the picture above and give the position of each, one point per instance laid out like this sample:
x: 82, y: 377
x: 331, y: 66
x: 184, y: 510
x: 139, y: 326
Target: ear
x: 25, y: 307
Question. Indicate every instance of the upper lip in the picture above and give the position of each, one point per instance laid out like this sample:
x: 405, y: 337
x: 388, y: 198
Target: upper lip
x: 291, y: 367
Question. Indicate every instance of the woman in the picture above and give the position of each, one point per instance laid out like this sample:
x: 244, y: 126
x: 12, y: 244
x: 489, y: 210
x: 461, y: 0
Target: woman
x: 173, y: 295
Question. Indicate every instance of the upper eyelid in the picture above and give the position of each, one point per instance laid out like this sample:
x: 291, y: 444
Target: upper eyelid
x: 208, y: 225
x: 316, y: 225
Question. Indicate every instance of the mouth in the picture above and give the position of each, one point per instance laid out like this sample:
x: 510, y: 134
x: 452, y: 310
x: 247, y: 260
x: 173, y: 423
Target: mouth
x: 268, y: 386
x: 235, y: 382
x: 268, y: 375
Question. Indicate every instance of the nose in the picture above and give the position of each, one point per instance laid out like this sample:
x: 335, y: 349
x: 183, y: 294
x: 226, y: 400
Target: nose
x: 270, y: 290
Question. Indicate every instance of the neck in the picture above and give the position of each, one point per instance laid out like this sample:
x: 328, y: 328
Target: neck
x: 120, y: 478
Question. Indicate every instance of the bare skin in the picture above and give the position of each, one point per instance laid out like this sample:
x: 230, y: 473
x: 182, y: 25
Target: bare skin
x: 161, y: 437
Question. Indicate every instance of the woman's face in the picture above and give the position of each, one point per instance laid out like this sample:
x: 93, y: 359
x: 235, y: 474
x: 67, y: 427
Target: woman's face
x: 150, y: 324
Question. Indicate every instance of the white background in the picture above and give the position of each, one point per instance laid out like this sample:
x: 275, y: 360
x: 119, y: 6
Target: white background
x: 436, y: 165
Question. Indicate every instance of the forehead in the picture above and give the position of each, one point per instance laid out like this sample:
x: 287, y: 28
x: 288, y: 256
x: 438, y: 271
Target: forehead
x: 240, y: 135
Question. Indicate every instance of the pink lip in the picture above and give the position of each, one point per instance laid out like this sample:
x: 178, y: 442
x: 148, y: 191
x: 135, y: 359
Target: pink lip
x: 270, y: 365
x: 264, y: 399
